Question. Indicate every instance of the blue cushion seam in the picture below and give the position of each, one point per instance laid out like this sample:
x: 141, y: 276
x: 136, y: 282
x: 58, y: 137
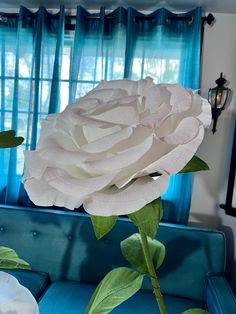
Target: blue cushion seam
x: 225, y: 281
x: 216, y: 297
x: 43, y: 286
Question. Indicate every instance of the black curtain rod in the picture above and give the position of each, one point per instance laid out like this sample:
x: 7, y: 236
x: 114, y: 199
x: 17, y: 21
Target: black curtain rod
x: 209, y: 19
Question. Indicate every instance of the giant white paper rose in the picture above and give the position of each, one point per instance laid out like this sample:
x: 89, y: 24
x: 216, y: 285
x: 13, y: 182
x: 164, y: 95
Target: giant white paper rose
x: 100, y: 151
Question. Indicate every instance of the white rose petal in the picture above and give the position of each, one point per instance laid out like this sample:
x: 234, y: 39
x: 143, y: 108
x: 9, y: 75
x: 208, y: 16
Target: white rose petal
x: 112, y: 112
x: 14, y: 298
x: 121, y: 160
x: 60, y: 155
x: 47, y: 128
x: 108, y: 141
x: 42, y: 194
x: 131, y: 87
x: 73, y: 186
x: 101, y: 150
x: 154, y: 120
x: 157, y: 96
x: 186, y: 131
x: 91, y: 134
x: 205, y: 116
x: 143, y: 191
x: 168, y: 161
x: 36, y: 166
x: 105, y: 94
x: 180, y: 98
x: 105, y: 107
x: 116, y: 116
x: 86, y: 104
x: 78, y: 118
x: 174, y: 161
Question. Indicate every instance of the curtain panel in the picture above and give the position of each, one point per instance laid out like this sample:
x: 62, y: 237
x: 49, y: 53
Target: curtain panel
x: 49, y: 60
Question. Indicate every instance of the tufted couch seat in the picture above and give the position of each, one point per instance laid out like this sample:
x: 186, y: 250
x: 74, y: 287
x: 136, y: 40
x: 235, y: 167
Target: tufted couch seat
x: 68, y: 262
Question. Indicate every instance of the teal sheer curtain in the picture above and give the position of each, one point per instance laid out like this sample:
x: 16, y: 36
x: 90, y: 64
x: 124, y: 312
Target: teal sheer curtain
x: 47, y: 61
x: 31, y: 54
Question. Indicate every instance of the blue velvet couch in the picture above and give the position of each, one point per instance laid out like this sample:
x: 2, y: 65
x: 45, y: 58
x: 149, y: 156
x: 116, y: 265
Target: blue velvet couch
x: 67, y: 263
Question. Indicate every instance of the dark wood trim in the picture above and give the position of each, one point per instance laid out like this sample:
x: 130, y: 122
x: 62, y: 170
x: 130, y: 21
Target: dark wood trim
x: 228, y: 206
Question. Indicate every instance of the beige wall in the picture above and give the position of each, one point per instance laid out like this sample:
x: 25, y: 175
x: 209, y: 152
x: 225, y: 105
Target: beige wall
x: 209, y: 188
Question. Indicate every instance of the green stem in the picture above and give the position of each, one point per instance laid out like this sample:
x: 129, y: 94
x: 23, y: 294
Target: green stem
x: 152, y: 273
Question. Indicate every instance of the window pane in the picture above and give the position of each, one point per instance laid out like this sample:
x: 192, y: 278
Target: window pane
x: 64, y: 95
x: 8, y: 121
x: 65, y: 67
x: 22, y: 124
x: 9, y: 92
x: 10, y: 64
x: 24, y: 94
x: 116, y: 68
x: 44, y: 96
x: 25, y: 64
x: 20, y: 159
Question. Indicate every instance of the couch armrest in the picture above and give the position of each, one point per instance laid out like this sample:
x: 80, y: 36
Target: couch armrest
x: 219, y: 296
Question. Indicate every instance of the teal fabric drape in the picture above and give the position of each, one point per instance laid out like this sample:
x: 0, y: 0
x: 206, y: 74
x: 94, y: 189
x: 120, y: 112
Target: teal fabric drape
x: 45, y: 66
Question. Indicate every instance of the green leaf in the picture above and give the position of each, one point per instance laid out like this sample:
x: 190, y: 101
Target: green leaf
x: 9, y: 259
x: 8, y: 139
x: 147, y: 218
x: 195, y: 311
x: 102, y: 225
x: 132, y: 251
x: 116, y: 287
x: 195, y: 164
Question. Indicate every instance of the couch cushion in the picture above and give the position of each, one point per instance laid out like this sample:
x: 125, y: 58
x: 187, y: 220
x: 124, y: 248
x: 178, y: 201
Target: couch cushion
x: 70, y: 297
x: 36, y: 282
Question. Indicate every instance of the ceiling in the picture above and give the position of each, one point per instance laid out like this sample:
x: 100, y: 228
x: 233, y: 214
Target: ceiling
x: 214, y: 6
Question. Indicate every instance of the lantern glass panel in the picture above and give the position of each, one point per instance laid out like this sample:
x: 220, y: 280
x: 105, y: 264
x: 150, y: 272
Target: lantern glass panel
x: 221, y: 97
x: 217, y: 97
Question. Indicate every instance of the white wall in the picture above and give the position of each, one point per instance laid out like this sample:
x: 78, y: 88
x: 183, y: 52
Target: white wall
x: 209, y: 188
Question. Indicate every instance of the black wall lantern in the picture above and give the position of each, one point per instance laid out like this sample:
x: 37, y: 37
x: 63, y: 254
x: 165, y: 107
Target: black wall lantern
x: 218, y: 97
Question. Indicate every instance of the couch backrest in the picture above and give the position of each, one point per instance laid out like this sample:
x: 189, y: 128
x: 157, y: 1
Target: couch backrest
x: 63, y: 244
